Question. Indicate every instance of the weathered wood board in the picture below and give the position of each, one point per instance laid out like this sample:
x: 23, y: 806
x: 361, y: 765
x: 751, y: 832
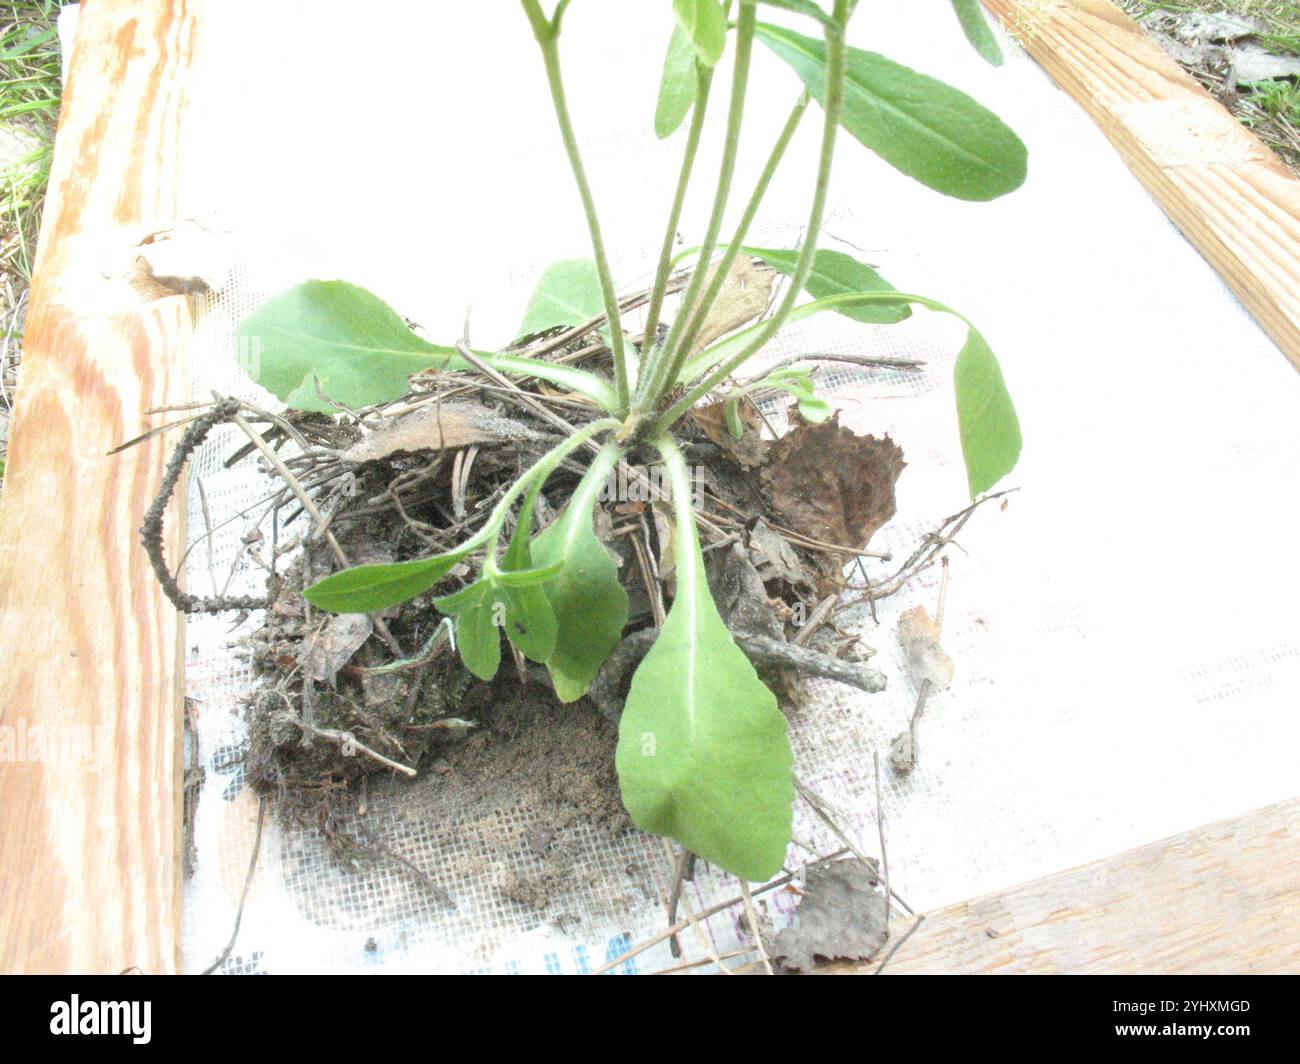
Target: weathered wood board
x: 1224, y: 898
x: 89, y: 842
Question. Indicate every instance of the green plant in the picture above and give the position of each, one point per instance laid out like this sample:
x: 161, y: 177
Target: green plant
x: 1279, y: 16
x: 703, y: 754
x: 1277, y: 99
x: 29, y: 106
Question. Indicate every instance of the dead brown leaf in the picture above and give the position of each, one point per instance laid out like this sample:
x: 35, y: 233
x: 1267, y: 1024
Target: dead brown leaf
x: 740, y: 596
x: 775, y: 558
x: 333, y: 646
x: 437, y: 427
x: 926, y: 659
x: 832, y: 485
x: 744, y: 296
x: 750, y: 451
x: 842, y: 916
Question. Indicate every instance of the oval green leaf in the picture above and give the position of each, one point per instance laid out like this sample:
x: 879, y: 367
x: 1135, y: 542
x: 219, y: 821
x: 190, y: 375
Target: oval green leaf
x: 478, y: 639
x: 465, y: 598
x: 568, y: 293
x: 677, y: 86
x: 349, y: 340
x: 369, y: 588
x: 922, y: 127
x: 814, y: 410
x: 977, y: 30
x: 704, y: 25
x: 798, y: 387
x: 529, y: 621
x: 703, y: 755
x: 359, y: 352
x: 835, y: 273
x: 731, y: 412
x: 986, y: 417
x: 586, y: 596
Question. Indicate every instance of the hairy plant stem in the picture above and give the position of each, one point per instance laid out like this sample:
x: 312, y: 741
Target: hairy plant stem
x: 655, y: 378
x: 704, y: 81
x: 835, y: 51
x: 687, y: 539
x: 547, y: 33
x: 537, y: 473
x: 701, y: 312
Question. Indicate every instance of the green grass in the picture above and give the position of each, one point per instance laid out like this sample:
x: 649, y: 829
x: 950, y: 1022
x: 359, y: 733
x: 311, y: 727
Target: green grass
x: 1282, y: 16
x: 1277, y: 99
x: 30, y: 90
x: 29, y: 107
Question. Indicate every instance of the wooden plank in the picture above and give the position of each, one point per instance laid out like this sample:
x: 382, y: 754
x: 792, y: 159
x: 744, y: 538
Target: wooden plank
x: 1224, y: 898
x: 1231, y: 196
x: 89, y: 849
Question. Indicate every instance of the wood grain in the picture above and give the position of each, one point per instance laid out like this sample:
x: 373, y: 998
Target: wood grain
x: 1231, y: 196
x: 89, y: 870
x: 1224, y: 898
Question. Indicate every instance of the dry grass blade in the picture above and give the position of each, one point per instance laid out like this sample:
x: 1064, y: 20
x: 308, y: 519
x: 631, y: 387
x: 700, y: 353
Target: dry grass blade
x: 752, y: 914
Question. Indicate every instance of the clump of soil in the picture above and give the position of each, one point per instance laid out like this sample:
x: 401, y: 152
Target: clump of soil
x: 517, y: 756
x: 532, y: 751
x: 550, y: 764
x: 323, y: 677
x: 338, y: 705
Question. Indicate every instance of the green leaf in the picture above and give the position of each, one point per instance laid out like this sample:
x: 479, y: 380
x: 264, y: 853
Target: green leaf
x: 33, y: 41
x: 705, y: 26
x: 526, y: 577
x: 793, y: 373
x: 513, y: 602
x: 361, y: 351
x: 677, y: 86
x: 529, y: 621
x: 703, y: 754
x: 835, y: 273
x: 922, y: 127
x: 977, y: 30
x: 354, y: 343
x: 478, y: 639
x: 986, y: 417
x: 731, y: 412
x: 814, y: 410
x: 587, y: 597
x: 799, y: 383
x: 466, y: 598
x: 519, y: 554
x: 568, y: 293
x: 369, y: 588
x: 799, y: 389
